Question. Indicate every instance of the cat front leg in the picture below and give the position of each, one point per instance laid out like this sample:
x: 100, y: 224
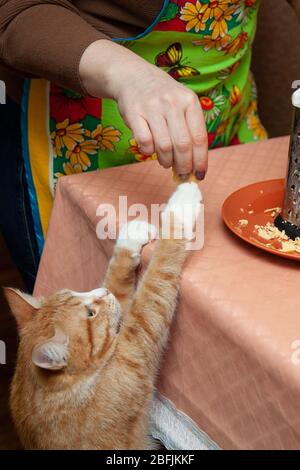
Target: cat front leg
x: 120, y: 278
x: 146, y: 329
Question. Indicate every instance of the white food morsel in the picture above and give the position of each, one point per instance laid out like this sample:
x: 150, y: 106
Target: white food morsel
x: 296, y: 98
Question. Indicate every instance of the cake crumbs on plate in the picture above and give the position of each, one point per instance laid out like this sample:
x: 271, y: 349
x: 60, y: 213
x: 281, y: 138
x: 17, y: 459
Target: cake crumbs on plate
x: 271, y: 233
x: 243, y: 223
x: 274, y: 211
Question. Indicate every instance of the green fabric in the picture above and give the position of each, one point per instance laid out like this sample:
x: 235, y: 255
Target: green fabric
x: 223, y: 82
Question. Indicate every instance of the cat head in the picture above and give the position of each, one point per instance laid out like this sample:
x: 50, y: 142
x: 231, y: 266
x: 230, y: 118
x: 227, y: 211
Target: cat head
x: 69, y: 330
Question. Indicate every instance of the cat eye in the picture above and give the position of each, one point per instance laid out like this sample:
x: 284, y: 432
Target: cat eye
x: 91, y: 312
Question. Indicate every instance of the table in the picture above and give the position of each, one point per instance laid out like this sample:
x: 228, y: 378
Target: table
x: 230, y: 365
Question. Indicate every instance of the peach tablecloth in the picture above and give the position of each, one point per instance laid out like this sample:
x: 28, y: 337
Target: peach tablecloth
x: 228, y: 365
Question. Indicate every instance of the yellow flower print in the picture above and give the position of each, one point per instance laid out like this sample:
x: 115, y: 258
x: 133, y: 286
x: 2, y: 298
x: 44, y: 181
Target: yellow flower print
x: 137, y: 153
x: 106, y: 136
x: 66, y: 135
x: 69, y: 170
x: 219, y: 26
x: 235, y: 95
x: 79, y: 154
x: 191, y: 14
x: 214, y: 9
x: 253, y: 107
x: 208, y: 43
x: 256, y: 127
x: 237, y: 44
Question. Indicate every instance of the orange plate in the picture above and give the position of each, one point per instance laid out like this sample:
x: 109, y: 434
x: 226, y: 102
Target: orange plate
x: 257, y: 197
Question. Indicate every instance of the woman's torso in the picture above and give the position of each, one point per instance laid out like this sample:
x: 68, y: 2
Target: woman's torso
x: 114, y: 18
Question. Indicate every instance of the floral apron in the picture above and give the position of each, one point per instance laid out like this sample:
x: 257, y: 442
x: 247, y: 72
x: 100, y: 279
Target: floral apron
x: 204, y: 44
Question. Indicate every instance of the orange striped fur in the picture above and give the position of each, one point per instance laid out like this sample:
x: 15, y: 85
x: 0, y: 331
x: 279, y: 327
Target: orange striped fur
x: 87, y: 364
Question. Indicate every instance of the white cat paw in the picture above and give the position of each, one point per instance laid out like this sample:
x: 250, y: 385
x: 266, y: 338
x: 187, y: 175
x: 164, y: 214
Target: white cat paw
x: 135, y: 234
x: 185, y: 205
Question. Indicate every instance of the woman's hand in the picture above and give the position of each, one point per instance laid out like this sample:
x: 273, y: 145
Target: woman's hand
x: 164, y: 116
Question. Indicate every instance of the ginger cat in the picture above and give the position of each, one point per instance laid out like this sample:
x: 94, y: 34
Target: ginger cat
x: 87, y: 362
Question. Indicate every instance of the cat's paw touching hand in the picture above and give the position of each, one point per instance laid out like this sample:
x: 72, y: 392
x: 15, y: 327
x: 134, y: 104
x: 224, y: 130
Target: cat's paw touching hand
x: 184, y: 205
x: 135, y: 234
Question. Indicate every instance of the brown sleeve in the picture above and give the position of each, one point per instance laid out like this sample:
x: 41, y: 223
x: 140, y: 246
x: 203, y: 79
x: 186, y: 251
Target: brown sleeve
x: 45, y: 39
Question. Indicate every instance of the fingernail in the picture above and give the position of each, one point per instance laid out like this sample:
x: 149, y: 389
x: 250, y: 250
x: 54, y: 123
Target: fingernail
x: 184, y: 178
x: 200, y: 175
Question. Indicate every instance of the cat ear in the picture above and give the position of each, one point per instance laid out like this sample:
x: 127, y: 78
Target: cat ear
x: 52, y: 354
x: 22, y: 305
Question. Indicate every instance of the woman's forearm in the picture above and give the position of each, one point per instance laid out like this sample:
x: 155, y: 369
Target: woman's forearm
x: 51, y: 41
x: 164, y: 115
x: 104, y: 65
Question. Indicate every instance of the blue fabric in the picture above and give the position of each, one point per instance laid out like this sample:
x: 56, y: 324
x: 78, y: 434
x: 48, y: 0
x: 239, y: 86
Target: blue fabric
x: 16, y: 222
x: 149, y: 29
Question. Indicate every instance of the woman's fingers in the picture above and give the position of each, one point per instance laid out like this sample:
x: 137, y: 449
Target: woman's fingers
x: 142, y: 134
x: 197, y: 128
x: 162, y: 140
x: 181, y: 140
x: 176, y: 131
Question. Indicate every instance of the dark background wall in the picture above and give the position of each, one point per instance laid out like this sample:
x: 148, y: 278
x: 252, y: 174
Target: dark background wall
x: 276, y: 63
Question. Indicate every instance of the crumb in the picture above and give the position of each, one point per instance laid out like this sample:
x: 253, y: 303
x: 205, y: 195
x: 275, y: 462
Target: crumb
x: 250, y: 212
x: 274, y: 211
x: 261, y: 191
x: 271, y: 233
x: 242, y: 210
x: 243, y: 223
x: 291, y: 246
x: 249, y: 205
